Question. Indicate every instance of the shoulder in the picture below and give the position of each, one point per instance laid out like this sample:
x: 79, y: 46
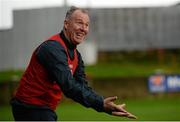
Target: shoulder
x: 50, y: 49
x: 50, y: 46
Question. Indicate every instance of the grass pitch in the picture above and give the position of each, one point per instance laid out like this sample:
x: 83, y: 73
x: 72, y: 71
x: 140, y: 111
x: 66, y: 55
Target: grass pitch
x: 161, y: 109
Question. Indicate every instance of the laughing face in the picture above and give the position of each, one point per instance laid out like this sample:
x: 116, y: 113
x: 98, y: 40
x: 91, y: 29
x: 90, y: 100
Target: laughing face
x: 77, y: 27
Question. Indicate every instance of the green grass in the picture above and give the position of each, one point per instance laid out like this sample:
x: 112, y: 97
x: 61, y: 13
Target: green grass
x: 10, y: 75
x: 145, y: 109
x: 129, y: 69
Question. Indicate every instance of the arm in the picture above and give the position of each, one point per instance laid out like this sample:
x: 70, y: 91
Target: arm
x: 53, y: 57
x: 90, y: 96
x: 108, y: 105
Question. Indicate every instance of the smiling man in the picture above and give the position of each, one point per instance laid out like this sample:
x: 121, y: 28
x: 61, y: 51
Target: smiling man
x: 56, y: 67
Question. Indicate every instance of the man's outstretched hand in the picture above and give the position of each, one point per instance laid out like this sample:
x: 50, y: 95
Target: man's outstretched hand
x: 116, y: 110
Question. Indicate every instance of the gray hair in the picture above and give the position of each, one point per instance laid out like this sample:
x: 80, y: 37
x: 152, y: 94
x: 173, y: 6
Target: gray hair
x: 73, y: 9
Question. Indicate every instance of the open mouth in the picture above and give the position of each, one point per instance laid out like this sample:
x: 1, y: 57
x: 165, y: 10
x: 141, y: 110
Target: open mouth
x: 80, y: 35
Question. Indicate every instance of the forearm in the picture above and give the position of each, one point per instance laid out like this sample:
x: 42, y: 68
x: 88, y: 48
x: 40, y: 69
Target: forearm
x: 80, y: 92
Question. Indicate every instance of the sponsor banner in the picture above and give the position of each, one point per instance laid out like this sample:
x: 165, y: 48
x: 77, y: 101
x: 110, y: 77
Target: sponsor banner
x: 164, y: 83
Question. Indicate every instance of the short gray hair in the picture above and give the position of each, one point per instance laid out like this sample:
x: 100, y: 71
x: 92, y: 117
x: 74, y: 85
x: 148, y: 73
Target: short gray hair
x: 72, y: 9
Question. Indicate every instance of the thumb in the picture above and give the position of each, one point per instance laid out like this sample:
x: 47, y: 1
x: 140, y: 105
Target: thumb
x: 123, y: 105
x: 111, y: 99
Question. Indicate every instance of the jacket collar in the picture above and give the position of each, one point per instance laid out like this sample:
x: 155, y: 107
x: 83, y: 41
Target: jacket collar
x: 67, y: 42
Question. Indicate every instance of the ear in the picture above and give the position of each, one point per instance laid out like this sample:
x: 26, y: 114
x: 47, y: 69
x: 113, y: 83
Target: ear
x: 66, y: 24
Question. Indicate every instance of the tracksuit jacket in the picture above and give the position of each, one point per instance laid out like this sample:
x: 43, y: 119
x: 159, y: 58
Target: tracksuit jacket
x: 56, y: 67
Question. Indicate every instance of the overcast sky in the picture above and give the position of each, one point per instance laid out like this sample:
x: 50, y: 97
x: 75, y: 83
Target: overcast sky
x: 7, y: 6
x: 23, y: 4
x: 122, y: 3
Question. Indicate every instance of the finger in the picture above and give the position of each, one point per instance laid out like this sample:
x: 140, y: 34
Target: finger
x: 111, y: 98
x: 123, y: 105
x: 121, y: 108
x: 124, y: 114
x: 115, y: 113
x: 131, y: 116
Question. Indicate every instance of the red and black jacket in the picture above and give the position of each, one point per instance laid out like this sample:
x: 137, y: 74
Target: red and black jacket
x: 56, y: 67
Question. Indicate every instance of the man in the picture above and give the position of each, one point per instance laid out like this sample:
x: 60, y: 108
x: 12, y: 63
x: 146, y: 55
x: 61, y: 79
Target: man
x: 56, y: 67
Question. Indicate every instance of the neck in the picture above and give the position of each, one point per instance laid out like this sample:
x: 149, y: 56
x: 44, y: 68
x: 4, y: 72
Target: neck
x: 67, y: 40
x: 65, y: 33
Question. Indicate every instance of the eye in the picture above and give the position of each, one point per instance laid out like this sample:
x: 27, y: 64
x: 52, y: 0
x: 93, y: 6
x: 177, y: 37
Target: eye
x: 87, y: 25
x: 80, y: 23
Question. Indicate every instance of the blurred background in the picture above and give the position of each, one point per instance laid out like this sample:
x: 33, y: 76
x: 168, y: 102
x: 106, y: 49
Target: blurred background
x: 132, y: 51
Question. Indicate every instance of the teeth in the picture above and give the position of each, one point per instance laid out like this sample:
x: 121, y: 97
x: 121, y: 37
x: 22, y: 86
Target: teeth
x: 80, y: 34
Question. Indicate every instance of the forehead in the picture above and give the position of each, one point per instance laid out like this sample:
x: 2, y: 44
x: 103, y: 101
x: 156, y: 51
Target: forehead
x: 79, y: 15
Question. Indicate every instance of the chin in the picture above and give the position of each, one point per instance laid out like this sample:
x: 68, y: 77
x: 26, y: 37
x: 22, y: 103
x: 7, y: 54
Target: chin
x: 79, y: 41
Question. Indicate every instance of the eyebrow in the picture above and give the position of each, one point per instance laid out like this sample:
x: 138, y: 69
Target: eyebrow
x: 81, y: 20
